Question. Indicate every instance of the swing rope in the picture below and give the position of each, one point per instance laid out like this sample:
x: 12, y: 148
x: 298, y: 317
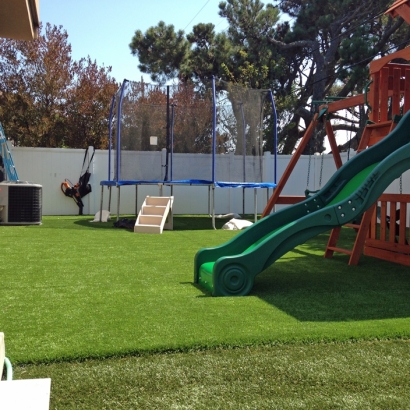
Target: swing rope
x: 321, y: 169
x: 309, y: 165
x: 309, y: 192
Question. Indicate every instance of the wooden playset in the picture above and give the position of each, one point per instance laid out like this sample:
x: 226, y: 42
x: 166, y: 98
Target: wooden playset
x: 382, y: 231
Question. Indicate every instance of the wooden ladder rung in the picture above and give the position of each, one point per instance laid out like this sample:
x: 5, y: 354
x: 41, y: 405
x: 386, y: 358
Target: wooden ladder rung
x: 340, y: 250
x: 361, y: 229
x: 354, y: 226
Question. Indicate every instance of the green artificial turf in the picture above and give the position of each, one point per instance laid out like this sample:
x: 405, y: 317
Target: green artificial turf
x: 72, y: 290
x: 361, y: 375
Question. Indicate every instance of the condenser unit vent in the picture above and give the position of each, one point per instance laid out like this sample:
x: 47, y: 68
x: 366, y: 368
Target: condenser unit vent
x: 20, y: 203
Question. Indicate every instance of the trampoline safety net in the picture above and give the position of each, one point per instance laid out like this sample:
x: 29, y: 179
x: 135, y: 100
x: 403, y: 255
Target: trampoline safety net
x: 199, y: 132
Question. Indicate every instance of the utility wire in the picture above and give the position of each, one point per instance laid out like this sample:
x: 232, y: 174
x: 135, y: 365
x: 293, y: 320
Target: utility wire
x: 196, y: 14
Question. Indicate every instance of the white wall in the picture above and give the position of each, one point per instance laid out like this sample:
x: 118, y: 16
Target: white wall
x: 49, y: 167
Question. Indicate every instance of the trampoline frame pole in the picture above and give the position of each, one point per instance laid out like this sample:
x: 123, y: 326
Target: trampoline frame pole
x: 275, y: 137
x: 213, y: 128
x: 110, y: 136
x: 119, y: 112
x: 243, y: 154
x: 172, y: 139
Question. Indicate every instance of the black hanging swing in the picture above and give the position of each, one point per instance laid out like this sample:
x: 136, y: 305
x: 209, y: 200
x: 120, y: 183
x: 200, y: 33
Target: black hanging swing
x: 82, y: 187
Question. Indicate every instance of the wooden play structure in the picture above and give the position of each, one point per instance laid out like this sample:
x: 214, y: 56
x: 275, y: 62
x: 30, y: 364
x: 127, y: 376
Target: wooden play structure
x: 382, y: 231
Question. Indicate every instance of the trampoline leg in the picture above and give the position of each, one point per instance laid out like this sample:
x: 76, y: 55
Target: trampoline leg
x: 101, y: 201
x: 213, y: 207
x: 109, y: 199
x: 118, y: 202
x: 209, y: 200
x: 255, y: 203
x: 136, y: 201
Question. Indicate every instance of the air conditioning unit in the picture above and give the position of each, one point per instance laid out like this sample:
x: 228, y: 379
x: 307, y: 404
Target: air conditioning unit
x: 20, y: 203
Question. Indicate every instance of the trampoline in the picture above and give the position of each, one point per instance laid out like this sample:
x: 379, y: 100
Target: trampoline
x: 208, y: 134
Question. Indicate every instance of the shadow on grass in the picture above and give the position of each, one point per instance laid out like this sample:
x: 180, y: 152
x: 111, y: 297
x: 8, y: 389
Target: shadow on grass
x: 201, y: 222
x: 181, y: 223
x: 196, y: 223
x: 95, y: 225
x: 309, y: 287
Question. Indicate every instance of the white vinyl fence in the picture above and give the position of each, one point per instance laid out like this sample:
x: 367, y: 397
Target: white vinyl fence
x: 49, y: 167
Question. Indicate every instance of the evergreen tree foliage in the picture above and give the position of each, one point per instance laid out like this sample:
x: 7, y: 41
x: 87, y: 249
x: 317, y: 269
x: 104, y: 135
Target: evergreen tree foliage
x: 304, y: 50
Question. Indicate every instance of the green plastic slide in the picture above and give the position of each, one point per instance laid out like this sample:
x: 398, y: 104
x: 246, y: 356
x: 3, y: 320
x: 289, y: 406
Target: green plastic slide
x: 230, y: 269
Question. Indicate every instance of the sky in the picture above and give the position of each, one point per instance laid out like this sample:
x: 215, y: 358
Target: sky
x: 103, y: 29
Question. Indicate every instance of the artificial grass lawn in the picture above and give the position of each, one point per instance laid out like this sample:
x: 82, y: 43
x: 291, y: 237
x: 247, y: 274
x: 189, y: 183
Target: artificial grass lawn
x: 360, y: 375
x: 75, y: 290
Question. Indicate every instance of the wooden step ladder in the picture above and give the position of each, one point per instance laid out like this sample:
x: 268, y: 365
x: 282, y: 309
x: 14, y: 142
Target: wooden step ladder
x: 155, y: 215
x: 362, y: 232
